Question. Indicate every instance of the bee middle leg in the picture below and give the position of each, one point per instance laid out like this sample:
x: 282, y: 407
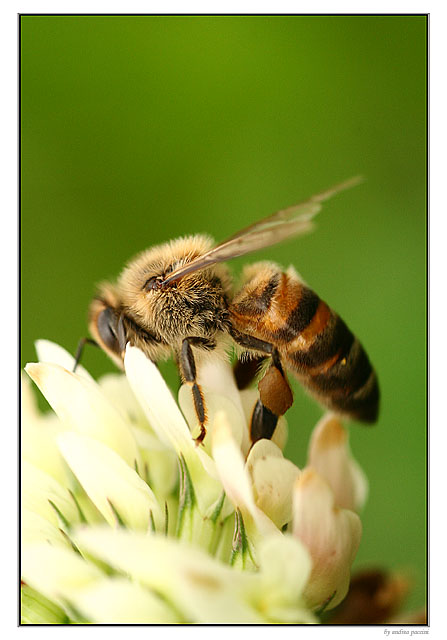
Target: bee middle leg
x: 189, y: 373
x: 275, y: 394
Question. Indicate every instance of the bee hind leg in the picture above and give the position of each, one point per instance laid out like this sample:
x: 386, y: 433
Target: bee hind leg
x: 188, y: 370
x: 275, y: 398
x: 275, y: 394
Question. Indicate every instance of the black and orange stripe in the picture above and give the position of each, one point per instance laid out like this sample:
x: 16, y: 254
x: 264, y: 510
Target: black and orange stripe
x: 313, y: 342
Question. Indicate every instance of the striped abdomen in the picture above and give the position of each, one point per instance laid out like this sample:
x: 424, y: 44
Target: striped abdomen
x: 313, y: 340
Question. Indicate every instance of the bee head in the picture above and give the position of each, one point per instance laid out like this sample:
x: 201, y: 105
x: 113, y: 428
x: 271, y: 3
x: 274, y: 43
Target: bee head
x: 107, y: 327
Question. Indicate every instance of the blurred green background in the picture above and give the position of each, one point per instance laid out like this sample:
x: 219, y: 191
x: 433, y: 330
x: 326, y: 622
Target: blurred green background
x: 138, y: 129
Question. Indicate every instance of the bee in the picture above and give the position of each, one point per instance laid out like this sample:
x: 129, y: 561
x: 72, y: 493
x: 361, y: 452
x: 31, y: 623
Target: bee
x: 177, y: 299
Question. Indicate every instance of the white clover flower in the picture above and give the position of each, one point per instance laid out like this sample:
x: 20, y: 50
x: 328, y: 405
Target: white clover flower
x: 126, y: 520
x: 332, y: 535
x: 329, y: 454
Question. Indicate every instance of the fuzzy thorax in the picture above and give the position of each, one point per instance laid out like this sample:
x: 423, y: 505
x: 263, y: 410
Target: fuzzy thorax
x: 193, y: 306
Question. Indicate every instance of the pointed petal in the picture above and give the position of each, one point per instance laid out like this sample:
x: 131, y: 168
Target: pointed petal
x: 216, y: 377
x: 116, y: 388
x: 30, y: 411
x: 169, y: 424
x: 108, y: 481
x: 235, y: 478
x: 82, y: 406
x: 214, y: 403
x: 330, y: 455
x: 156, y: 400
x: 50, y: 352
x: 39, y: 435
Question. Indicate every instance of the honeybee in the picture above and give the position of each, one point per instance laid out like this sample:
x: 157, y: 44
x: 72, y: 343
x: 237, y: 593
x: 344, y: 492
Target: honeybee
x: 177, y: 299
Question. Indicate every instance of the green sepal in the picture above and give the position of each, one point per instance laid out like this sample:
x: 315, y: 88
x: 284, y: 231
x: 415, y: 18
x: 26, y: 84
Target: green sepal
x: 37, y: 609
x: 240, y: 550
x: 70, y: 541
x: 215, y: 524
x: 63, y: 520
x: 119, y: 519
x: 166, y: 518
x: 107, y: 568
x: 147, y: 477
x: 187, y: 500
x: 151, y: 521
x: 76, y: 615
x: 82, y: 517
x: 218, y: 508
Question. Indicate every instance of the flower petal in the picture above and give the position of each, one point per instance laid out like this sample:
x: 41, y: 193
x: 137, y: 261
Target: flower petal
x: 168, y: 423
x: 159, y: 463
x: 116, y: 388
x: 273, y: 479
x: 39, y: 435
x: 332, y: 536
x: 330, y: 455
x: 235, y: 478
x: 39, y: 488
x: 55, y: 571
x: 30, y: 411
x: 82, y: 406
x: 214, y: 403
x: 157, y: 401
x: 215, y: 375
x: 107, y: 479
x: 50, y: 352
x: 201, y: 588
x: 36, y: 609
x: 285, y: 568
x: 39, y: 447
x: 118, y: 601
x: 36, y: 528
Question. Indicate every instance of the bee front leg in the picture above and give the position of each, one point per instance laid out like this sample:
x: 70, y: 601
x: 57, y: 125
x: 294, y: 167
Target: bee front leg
x: 188, y: 370
x: 80, y: 350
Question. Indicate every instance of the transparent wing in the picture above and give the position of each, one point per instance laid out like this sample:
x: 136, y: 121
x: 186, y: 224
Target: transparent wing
x: 279, y: 226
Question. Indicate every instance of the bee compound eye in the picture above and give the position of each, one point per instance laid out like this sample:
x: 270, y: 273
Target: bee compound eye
x: 153, y: 283
x: 107, y: 324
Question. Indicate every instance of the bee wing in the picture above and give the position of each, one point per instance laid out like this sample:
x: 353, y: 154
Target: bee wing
x: 293, y: 221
